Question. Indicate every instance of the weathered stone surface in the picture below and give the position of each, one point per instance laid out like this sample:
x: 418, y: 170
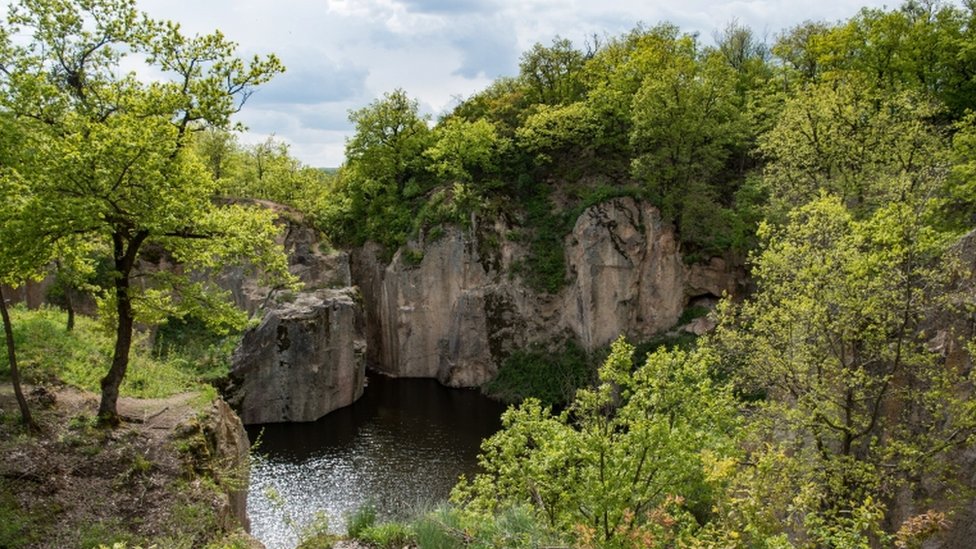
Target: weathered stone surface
x: 315, y: 266
x: 451, y: 309
x: 628, y: 277
x: 231, y: 449
x: 426, y: 318
x: 304, y: 360
x: 715, y: 278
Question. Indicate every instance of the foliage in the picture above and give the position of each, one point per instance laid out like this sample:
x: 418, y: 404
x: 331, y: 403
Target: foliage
x: 857, y: 405
x: 625, y: 464
x: 362, y: 518
x: 387, y: 535
x: 464, y: 151
x: 384, y: 175
x: 195, y: 347
x: 545, y: 267
x: 50, y: 354
x: 550, y: 377
x: 559, y: 133
x: 866, y: 147
x: 111, y: 157
x: 552, y: 74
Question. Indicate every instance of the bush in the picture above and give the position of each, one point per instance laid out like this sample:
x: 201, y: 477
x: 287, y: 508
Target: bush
x: 387, y: 535
x: 553, y: 378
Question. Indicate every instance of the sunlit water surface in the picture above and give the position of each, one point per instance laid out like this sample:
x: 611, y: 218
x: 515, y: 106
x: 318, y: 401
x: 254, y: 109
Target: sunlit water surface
x: 400, y: 447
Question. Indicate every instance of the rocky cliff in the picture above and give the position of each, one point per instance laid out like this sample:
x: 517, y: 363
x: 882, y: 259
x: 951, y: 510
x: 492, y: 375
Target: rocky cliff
x: 452, y: 310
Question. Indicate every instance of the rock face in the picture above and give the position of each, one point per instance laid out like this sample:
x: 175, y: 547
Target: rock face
x: 452, y: 310
x: 230, y: 447
x: 628, y: 277
x: 304, y: 360
x: 427, y: 319
x: 314, y: 265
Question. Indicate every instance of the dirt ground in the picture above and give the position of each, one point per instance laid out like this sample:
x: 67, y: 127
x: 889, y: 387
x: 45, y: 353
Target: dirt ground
x: 76, y: 485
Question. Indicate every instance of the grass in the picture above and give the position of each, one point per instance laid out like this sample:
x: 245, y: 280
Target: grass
x: 48, y: 353
x: 16, y: 525
x: 448, y: 527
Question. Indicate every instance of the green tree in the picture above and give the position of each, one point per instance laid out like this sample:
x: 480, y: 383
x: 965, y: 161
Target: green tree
x: 560, y: 134
x: 219, y: 149
x: 464, y: 151
x: 22, y: 255
x: 856, y: 406
x: 797, y: 49
x: 386, y: 150
x: 865, y: 146
x: 687, y: 123
x: 268, y: 171
x: 385, y: 175
x: 114, y: 160
x: 625, y: 463
x: 552, y: 74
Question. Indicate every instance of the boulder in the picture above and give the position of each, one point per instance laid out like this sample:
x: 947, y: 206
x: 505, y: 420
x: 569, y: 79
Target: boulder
x: 304, y: 360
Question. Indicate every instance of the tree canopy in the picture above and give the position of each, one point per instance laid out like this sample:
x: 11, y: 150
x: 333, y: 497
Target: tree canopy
x: 110, y: 157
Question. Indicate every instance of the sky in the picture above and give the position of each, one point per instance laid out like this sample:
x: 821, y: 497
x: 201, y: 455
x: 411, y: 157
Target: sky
x: 341, y: 55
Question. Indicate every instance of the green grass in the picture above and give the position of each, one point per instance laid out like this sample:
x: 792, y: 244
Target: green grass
x: 16, y: 525
x: 362, y: 518
x: 448, y: 527
x: 48, y: 353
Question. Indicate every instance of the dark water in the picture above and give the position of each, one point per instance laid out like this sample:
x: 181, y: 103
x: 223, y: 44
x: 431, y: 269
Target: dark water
x: 400, y: 447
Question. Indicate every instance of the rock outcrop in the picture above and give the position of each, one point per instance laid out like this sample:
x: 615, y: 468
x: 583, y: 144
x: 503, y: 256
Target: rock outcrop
x: 224, y: 455
x: 627, y: 274
x: 305, y: 359
x: 452, y: 309
x: 309, y: 260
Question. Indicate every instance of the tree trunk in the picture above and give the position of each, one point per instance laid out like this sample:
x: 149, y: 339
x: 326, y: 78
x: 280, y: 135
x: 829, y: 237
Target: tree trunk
x: 14, y: 372
x: 70, y: 307
x: 124, y: 260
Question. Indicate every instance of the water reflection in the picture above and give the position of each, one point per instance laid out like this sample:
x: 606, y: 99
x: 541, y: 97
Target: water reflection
x: 402, y: 445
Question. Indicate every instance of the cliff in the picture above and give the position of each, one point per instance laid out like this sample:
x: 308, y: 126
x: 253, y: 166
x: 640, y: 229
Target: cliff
x: 453, y: 309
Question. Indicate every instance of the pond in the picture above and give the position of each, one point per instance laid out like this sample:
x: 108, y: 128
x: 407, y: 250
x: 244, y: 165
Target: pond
x: 400, y: 447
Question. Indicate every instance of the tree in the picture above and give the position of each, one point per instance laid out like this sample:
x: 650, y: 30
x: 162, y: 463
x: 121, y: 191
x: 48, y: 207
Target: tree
x: 390, y: 138
x: 625, y: 464
x: 464, y: 150
x: 552, y: 74
x: 113, y: 153
x: 687, y: 121
x: 386, y: 173
x: 22, y: 257
x: 858, y: 408
x: 866, y: 146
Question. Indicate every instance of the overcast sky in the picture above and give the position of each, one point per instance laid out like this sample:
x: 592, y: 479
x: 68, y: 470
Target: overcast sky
x: 342, y: 54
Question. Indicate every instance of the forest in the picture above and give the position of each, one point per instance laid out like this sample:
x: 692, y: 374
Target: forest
x: 831, y: 407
